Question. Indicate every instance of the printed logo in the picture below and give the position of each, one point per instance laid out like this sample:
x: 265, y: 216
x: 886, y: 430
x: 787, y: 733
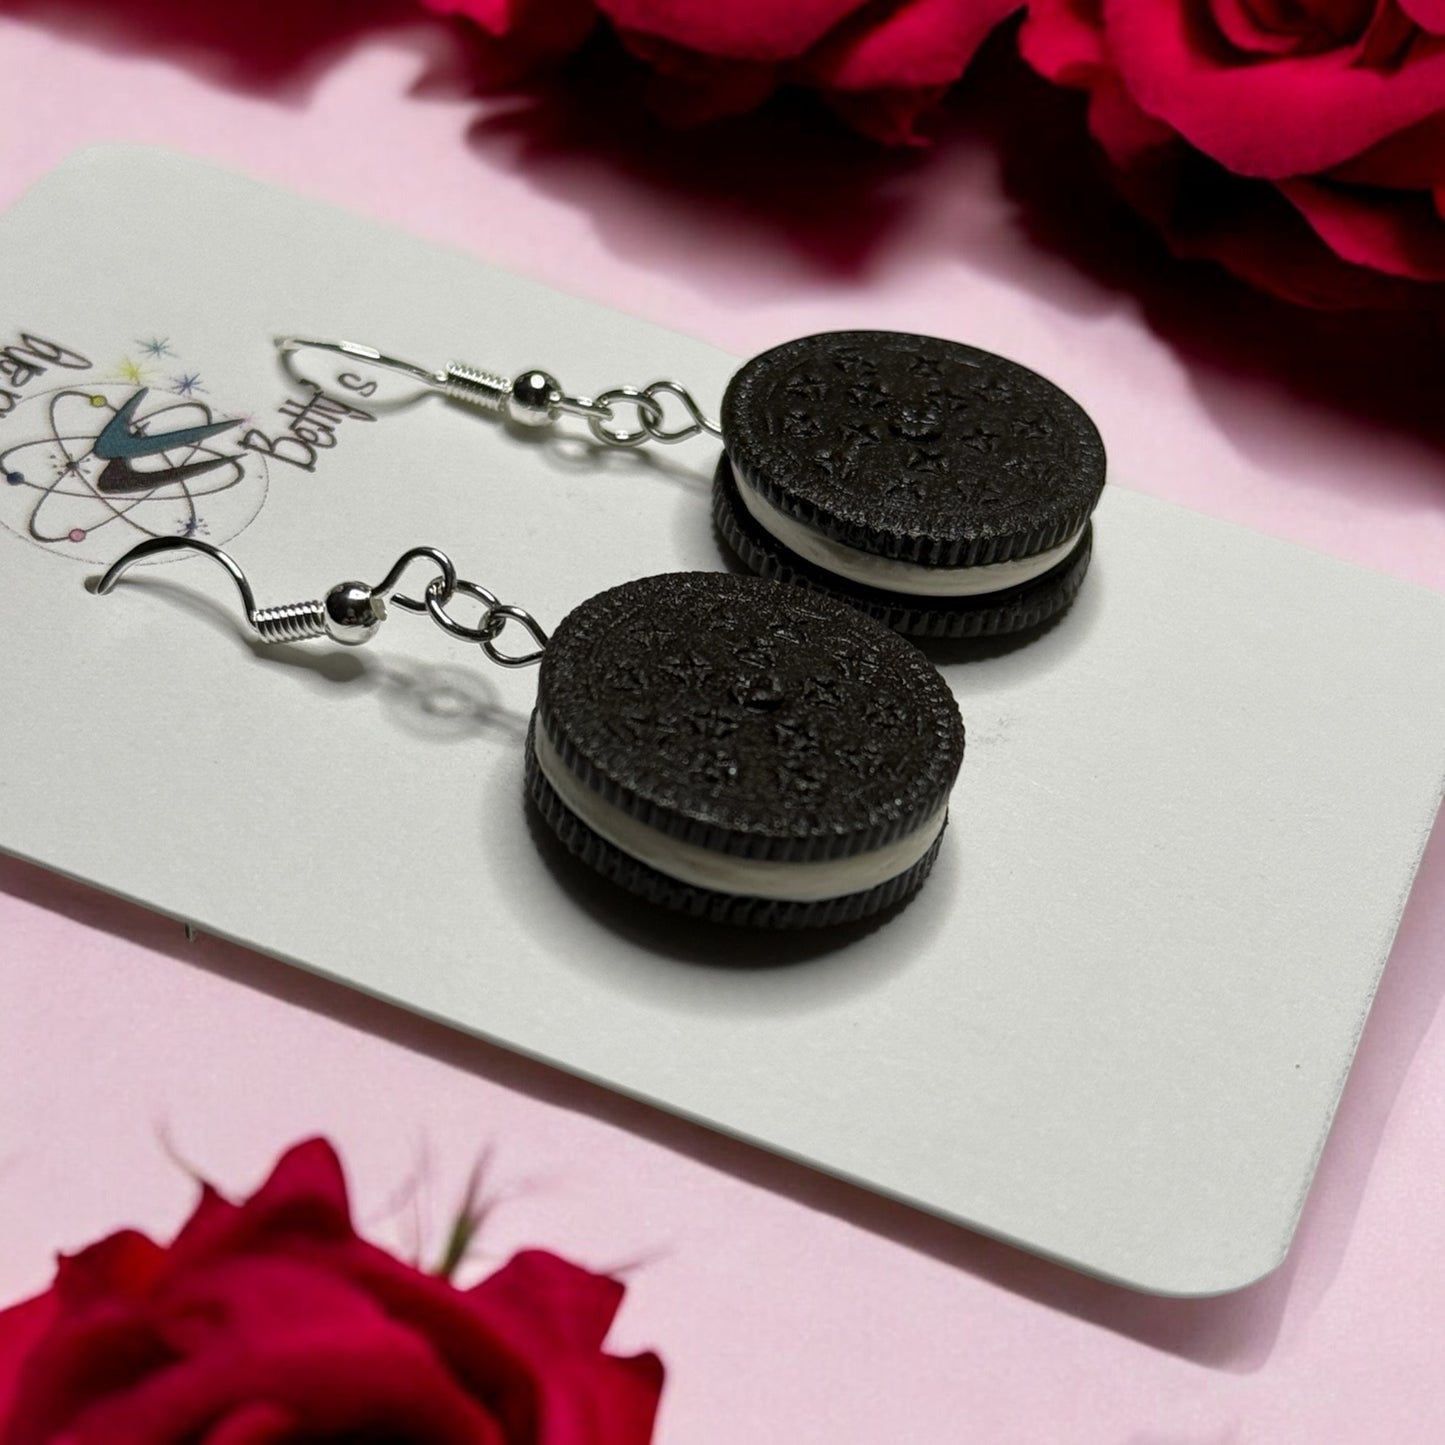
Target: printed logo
x: 90, y: 467
x: 121, y: 440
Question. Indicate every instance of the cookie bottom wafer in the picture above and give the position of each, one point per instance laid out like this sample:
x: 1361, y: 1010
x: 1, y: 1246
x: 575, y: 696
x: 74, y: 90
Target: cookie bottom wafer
x: 1010, y: 609
x: 605, y: 857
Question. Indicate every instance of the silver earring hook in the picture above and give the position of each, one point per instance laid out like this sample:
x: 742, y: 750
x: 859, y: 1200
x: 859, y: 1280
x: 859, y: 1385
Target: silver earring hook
x: 155, y: 545
x: 351, y: 612
x: 288, y: 346
x: 533, y: 398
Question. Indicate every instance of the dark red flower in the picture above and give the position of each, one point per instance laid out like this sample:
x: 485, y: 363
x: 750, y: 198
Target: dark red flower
x: 879, y: 65
x: 1299, y: 142
x: 271, y: 1321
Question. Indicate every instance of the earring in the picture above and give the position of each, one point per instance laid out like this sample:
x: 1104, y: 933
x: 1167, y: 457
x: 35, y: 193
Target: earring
x: 941, y: 489
x: 733, y: 749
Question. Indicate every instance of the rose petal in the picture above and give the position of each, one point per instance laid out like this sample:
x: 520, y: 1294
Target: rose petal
x: 305, y: 1198
x: 539, y: 27
x: 922, y: 43
x: 84, y: 1357
x: 739, y: 30
x: 245, y: 1301
x: 1239, y: 23
x: 1285, y: 118
x: 372, y: 1376
x: 1244, y: 225
x: 21, y: 1327
x: 208, y: 1228
x: 307, y: 1187
x: 122, y: 1266
x: 229, y: 1333
x: 512, y: 1350
x: 1414, y: 160
x: 587, y: 1398
x: 258, y: 1423
x: 1129, y: 136
x: 577, y: 1306
x: 1064, y: 40
x: 1398, y: 233
x: 600, y: 1400
x: 1427, y: 14
x: 495, y: 1348
x: 494, y: 16
x: 1284, y: 27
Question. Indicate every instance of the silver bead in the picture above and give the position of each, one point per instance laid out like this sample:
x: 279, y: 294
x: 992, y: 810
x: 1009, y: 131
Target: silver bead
x: 534, y: 398
x: 353, y: 613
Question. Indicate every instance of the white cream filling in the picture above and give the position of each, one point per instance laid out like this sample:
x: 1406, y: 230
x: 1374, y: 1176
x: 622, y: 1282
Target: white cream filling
x: 721, y: 872
x: 888, y: 574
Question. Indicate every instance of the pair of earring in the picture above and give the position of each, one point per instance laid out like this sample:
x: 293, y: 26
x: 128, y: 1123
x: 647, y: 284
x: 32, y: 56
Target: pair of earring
x: 744, y: 751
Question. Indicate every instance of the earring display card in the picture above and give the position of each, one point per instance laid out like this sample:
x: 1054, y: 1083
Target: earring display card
x: 1112, y: 1027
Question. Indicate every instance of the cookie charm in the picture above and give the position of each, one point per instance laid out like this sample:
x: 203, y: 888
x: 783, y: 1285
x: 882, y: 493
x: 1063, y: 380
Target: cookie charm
x: 737, y: 750
x: 743, y: 752
x: 941, y: 489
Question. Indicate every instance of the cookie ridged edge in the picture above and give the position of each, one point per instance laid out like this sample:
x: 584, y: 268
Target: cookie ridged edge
x: 991, y: 542
x: 950, y: 743
x: 1017, y: 609
x: 705, y: 904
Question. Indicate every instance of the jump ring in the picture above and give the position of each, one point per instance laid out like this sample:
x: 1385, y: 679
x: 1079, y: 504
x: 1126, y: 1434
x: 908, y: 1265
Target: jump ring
x: 648, y: 412
x: 698, y: 422
x: 485, y: 630
x: 505, y: 612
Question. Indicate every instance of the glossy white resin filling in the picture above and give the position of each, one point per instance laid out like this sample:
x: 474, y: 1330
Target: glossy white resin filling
x: 888, y: 574
x: 721, y: 872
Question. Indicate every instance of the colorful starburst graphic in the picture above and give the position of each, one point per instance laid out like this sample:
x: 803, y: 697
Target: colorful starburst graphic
x: 92, y: 467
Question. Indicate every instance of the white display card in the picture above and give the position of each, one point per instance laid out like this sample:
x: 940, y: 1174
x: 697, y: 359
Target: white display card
x: 1113, y: 1026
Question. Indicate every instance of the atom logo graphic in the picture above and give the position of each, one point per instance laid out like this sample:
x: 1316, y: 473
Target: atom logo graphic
x: 107, y: 464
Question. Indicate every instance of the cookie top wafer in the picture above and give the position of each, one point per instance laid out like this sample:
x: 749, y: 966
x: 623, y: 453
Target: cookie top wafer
x: 748, y: 718
x: 914, y: 448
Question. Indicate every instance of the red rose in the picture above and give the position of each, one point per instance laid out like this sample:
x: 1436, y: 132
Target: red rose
x: 1299, y: 142
x: 532, y: 28
x: 271, y: 1321
x: 880, y: 66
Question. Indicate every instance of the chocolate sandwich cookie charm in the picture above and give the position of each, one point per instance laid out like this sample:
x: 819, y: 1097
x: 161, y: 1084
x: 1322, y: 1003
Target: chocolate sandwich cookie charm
x: 743, y: 752
x: 942, y: 489
x: 724, y: 746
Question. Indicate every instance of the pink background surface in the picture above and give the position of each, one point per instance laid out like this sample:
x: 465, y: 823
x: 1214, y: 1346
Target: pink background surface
x: 788, y: 1307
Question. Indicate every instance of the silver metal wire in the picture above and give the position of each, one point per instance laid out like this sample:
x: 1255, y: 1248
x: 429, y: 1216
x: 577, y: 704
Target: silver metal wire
x: 484, y: 631
x: 291, y: 622
x: 351, y: 612
x: 288, y: 346
x: 447, y: 582
x: 533, y: 397
x: 482, y: 389
x: 154, y: 546
x: 507, y: 613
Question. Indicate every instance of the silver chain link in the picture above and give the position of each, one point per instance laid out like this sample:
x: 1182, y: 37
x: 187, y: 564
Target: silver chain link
x: 495, y: 614
x: 651, y: 415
